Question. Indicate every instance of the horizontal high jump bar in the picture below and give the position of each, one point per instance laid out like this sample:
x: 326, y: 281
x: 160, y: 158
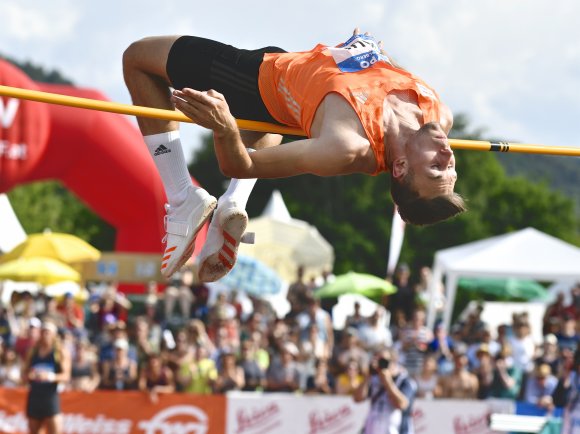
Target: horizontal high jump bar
x: 264, y: 127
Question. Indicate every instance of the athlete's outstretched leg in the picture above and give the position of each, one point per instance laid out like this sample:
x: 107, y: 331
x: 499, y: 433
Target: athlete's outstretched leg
x: 189, y: 207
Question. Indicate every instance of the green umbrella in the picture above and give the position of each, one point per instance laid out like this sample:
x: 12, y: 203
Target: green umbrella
x: 356, y: 283
x: 505, y: 288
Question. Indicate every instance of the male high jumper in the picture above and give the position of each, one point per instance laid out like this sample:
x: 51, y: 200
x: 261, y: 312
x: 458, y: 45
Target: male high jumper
x: 362, y: 114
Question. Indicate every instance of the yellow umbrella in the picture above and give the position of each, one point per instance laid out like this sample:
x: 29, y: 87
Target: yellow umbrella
x: 45, y: 271
x: 62, y: 247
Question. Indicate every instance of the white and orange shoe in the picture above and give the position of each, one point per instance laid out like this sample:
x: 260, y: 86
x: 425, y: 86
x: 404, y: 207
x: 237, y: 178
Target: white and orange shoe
x: 226, y: 232
x: 182, y: 225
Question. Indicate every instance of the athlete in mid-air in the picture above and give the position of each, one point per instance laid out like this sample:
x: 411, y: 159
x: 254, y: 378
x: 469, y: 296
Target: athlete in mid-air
x: 362, y: 114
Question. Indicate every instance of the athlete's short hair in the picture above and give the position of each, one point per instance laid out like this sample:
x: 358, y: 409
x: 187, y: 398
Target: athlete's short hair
x: 421, y: 211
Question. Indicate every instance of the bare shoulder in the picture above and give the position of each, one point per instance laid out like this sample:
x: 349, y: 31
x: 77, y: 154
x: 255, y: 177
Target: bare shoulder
x: 337, y: 122
x: 336, y: 117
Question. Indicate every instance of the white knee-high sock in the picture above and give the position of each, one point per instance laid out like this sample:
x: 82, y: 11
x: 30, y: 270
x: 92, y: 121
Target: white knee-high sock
x: 238, y: 191
x: 167, y: 153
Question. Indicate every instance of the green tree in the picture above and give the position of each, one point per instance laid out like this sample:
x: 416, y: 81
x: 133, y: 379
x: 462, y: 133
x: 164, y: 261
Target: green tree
x: 48, y: 205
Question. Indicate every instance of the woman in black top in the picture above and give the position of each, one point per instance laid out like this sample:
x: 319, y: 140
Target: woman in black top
x: 47, y: 365
x: 230, y: 375
x: 156, y: 377
x: 121, y: 372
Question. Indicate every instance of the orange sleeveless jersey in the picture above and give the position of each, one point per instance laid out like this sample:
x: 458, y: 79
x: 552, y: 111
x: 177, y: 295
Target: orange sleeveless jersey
x: 293, y: 85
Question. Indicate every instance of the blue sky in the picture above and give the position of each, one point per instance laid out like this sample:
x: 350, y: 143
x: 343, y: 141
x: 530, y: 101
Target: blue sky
x: 512, y: 66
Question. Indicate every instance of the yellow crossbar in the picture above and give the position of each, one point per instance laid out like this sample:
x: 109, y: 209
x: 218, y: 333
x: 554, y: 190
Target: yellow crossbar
x: 264, y: 127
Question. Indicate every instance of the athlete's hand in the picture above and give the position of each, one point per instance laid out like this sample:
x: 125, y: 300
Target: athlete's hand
x: 208, y: 109
x: 356, y: 31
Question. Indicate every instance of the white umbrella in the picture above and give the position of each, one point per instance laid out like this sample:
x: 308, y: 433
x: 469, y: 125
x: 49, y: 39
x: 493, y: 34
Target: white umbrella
x: 345, y: 307
x: 8, y: 287
x: 61, y: 288
x: 285, y: 243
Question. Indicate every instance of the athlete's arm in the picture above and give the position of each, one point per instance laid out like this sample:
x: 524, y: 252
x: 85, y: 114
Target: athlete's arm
x: 329, y: 155
x: 319, y: 156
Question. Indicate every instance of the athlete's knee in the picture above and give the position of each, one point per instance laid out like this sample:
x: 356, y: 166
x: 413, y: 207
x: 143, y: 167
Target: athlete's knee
x: 148, y: 55
x: 131, y: 55
x: 232, y: 171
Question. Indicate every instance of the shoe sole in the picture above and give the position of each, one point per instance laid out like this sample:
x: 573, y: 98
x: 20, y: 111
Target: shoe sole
x: 220, y: 263
x: 174, y: 266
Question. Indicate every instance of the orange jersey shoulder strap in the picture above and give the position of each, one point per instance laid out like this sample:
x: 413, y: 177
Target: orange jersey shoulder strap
x: 293, y: 85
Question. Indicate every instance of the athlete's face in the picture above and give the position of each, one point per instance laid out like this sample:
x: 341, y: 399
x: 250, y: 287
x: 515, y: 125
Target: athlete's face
x: 431, y: 161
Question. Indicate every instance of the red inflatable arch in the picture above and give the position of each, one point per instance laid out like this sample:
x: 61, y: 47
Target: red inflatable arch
x: 99, y: 156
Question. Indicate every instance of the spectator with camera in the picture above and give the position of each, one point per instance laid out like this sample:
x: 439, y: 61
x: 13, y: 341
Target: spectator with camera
x: 391, y: 392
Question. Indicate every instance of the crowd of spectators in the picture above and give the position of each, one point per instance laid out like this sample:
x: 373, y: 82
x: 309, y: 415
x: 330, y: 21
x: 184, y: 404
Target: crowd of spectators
x: 175, y: 341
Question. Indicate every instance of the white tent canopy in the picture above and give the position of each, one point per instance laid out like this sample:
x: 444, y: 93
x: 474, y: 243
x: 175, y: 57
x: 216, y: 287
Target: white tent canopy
x: 285, y: 243
x: 527, y: 253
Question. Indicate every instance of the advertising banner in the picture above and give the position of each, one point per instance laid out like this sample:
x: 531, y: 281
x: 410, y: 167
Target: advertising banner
x: 281, y: 413
x: 457, y: 416
x: 249, y: 413
x: 104, y: 412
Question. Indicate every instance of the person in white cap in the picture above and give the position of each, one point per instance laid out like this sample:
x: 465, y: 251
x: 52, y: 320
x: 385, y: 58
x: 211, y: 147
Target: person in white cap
x: 47, y: 365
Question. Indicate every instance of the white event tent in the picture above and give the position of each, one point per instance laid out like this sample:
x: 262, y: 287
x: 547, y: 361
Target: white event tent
x: 527, y: 253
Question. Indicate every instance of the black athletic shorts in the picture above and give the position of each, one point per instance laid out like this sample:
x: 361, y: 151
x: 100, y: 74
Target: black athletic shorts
x: 203, y: 64
x: 43, y: 401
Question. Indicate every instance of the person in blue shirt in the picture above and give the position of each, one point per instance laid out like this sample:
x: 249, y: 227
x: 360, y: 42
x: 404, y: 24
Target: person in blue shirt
x: 391, y: 392
x: 540, y: 386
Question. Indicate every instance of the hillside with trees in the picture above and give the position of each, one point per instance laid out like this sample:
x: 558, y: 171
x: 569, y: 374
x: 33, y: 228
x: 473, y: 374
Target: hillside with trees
x: 560, y: 173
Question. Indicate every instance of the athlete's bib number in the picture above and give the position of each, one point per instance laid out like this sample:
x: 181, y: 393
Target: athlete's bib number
x: 358, y: 53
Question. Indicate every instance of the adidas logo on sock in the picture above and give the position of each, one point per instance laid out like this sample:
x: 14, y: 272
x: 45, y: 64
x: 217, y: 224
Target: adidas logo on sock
x: 161, y: 150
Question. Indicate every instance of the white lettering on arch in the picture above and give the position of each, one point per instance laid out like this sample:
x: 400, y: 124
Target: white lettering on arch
x: 8, y: 111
